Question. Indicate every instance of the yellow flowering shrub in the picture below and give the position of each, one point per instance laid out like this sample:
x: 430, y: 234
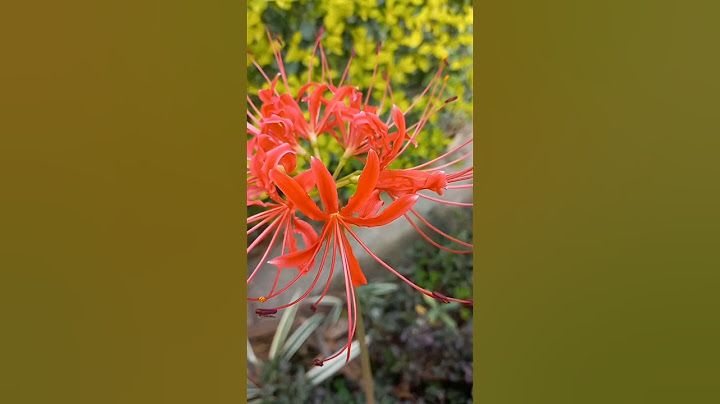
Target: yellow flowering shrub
x: 416, y: 36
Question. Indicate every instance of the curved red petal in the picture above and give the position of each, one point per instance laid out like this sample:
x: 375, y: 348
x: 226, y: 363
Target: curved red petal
x: 297, y: 195
x: 392, y: 212
x: 306, y: 179
x: 399, y: 120
x: 277, y: 156
x: 303, y: 260
x: 326, y: 186
x: 314, y: 104
x: 356, y: 274
x: 365, y: 186
x: 307, y: 232
x: 372, y: 205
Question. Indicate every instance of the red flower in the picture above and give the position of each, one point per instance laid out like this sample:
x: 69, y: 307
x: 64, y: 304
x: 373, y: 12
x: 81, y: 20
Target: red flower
x: 334, y: 218
x: 280, y: 132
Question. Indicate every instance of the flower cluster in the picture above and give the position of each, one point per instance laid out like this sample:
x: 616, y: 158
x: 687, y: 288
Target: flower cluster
x: 285, y: 175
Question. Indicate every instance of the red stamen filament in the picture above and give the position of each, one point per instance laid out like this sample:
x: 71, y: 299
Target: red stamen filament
x: 259, y: 225
x: 265, y: 76
x: 267, y: 251
x: 440, y: 232
x: 261, y: 215
x: 444, y: 202
x: 252, y: 104
x: 278, y: 59
x: 450, y: 163
x: 431, y: 241
x: 263, y: 235
x: 366, y: 248
x: 372, y: 80
x: 332, y: 269
x: 347, y: 68
x: 319, y: 272
x: 288, y: 232
x: 326, y: 66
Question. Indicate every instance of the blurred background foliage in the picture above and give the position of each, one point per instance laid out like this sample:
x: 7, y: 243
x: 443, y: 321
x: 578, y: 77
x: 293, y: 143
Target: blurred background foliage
x: 421, y: 350
x: 416, y: 36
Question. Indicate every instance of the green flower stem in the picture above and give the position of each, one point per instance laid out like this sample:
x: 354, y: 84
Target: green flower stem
x: 350, y: 177
x: 364, y: 356
x: 341, y: 164
x: 314, y: 144
x: 343, y: 183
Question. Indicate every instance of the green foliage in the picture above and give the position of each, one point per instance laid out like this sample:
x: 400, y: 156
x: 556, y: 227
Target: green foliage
x: 416, y: 36
x: 443, y: 271
x: 284, y: 377
x: 281, y: 379
x: 419, y: 343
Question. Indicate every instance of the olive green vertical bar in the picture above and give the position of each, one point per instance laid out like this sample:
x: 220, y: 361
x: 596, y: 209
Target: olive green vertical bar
x: 597, y: 139
x: 121, y: 240
x: 477, y: 261
x: 243, y: 185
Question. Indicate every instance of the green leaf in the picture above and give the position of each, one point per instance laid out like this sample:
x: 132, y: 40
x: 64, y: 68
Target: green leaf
x: 301, y: 335
x: 376, y: 289
x: 284, y: 326
x: 448, y: 321
x: 319, y: 374
x: 335, y: 312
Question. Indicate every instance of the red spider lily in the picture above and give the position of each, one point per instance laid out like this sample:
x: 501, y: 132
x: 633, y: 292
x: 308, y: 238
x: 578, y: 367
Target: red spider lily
x: 337, y: 221
x: 280, y: 131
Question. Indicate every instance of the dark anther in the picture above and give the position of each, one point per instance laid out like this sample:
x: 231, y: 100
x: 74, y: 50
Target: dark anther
x: 313, y: 308
x: 440, y: 297
x: 266, y: 312
x: 451, y: 99
x: 278, y: 39
x: 379, y: 46
x: 352, y: 52
x: 317, y: 362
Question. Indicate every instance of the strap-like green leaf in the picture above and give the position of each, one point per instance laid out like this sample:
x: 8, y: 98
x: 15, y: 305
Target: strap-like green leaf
x: 301, y: 335
x: 335, y: 312
x: 284, y: 326
x: 319, y: 374
x: 376, y: 289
